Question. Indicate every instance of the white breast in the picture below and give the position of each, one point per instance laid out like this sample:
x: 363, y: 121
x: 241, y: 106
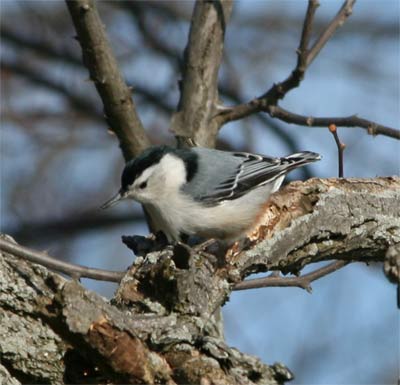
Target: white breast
x: 177, y: 213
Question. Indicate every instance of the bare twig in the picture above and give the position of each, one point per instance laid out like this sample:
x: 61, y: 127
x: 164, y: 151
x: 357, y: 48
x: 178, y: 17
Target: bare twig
x: 347, y: 121
x: 305, y: 57
x: 279, y: 90
x: 340, y: 146
x: 71, y: 269
x: 344, y: 12
x: 304, y: 281
x: 272, y: 124
x: 119, y: 108
x: 268, y: 101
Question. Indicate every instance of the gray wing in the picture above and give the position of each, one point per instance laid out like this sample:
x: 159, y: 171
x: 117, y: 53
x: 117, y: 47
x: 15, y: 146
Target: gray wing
x: 229, y: 175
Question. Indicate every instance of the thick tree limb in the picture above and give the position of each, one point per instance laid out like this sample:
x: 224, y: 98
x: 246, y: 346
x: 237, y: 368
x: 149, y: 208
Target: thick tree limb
x: 322, y: 219
x: 76, y: 336
x: 161, y: 326
x: 309, y: 202
x: 119, y: 108
x: 203, y: 55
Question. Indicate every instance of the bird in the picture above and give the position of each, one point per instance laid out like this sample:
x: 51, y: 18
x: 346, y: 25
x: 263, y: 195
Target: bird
x: 203, y: 192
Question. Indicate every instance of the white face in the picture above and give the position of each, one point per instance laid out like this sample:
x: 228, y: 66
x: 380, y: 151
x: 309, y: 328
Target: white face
x: 142, y: 189
x: 159, y: 180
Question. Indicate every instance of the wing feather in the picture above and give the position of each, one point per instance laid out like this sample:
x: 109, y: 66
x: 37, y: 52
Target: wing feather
x: 254, y: 171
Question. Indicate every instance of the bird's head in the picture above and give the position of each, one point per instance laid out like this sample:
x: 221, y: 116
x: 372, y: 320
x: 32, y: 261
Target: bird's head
x: 153, y: 174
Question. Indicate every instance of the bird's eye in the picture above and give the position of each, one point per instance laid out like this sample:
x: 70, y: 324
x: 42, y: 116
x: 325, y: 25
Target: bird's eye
x: 143, y: 185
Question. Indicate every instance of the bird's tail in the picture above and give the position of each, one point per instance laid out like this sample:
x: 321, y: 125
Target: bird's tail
x: 299, y: 159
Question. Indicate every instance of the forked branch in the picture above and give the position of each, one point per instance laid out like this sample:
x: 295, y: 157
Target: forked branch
x: 268, y: 102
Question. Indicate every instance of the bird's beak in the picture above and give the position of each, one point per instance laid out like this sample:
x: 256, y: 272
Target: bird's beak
x: 115, y: 199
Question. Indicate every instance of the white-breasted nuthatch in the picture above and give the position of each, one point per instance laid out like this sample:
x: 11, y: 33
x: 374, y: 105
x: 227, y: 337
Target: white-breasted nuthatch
x: 204, y: 192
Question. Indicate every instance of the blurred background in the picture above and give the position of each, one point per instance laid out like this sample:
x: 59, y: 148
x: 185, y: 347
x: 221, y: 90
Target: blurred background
x: 59, y: 162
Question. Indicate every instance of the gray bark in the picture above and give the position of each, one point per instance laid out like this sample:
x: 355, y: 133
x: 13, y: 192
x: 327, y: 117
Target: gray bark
x: 119, y: 108
x: 203, y: 54
x: 160, y: 326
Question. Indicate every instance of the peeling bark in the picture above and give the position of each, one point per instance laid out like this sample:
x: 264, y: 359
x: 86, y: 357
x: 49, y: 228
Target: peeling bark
x: 161, y: 326
x: 321, y: 219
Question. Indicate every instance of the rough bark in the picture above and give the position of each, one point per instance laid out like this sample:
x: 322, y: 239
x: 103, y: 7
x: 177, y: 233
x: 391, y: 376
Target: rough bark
x: 199, y: 87
x: 159, y: 327
x: 119, y: 108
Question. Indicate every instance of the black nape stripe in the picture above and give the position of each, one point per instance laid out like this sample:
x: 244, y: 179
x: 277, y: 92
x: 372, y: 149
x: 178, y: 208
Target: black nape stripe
x: 191, y: 162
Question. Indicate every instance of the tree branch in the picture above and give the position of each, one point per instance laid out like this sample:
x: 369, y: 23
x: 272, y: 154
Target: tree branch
x: 163, y: 311
x: 203, y: 55
x: 55, y: 331
x: 345, y: 11
x: 118, y: 105
x: 303, y: 282
x: 323, y: 219
x: 348, y: 121
x: 347, y: 235
x: 340, y: 148
x: 268, y: 101
x: 71, y: 269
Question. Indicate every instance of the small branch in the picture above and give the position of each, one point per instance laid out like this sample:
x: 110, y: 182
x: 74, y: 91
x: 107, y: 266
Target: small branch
x: 280, y: 113
x: 73, y: 270
x: 98, y: 57
x: 305, y: 56
x: 272, y: 124
x: 345, y: 11
x: 348, y: 121
x: 302, y: 51
x: 278, y: 91
x: 304, y: 281
x: 340, y: 146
